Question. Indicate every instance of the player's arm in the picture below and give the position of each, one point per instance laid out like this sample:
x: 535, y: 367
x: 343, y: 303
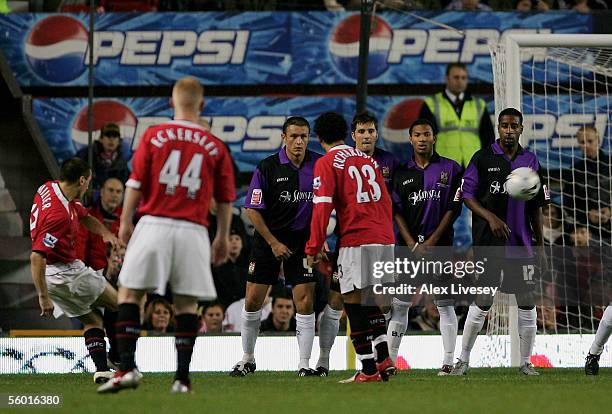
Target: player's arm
x: 225, y: 194
x: 324, y: 187
x: 94, y: 226
x: 445, y: 223
x: 38, y: 264
x: 256, y: 201
x: 469, y: 188
x: 281, y: 252
x: 404, y: 232
x: 453, y: 208
x: 498, y: 227
x: 130, y: 203
x: 220, y: 250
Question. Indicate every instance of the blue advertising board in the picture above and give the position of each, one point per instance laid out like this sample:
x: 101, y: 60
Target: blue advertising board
x: 260, y: 48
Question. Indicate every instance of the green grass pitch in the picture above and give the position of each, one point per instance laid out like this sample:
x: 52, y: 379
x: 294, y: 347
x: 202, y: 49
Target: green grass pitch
x: 413, y: 391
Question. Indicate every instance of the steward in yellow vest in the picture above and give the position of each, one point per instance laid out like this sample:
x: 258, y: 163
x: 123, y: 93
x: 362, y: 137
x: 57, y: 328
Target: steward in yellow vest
x: 462, y: 121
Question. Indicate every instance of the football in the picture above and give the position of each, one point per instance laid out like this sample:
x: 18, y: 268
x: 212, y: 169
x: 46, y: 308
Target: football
x: 523, y: 184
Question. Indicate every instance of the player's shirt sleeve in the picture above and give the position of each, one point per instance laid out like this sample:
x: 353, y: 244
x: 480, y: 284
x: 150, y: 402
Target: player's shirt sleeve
x: 224, y: 177
x: 82, y: 240
x: 324, y: 188
x: 470, y: 180
x: 44, y: 230
x: 141, y: 165
x: 255, y: 196
x: 456, y: 199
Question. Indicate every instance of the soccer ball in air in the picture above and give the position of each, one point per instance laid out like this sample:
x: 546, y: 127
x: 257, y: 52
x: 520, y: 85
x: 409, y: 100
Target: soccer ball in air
x: 523, y: 184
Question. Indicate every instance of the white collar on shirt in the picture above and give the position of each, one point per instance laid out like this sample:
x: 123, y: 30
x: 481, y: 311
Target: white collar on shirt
x: 454, y: 97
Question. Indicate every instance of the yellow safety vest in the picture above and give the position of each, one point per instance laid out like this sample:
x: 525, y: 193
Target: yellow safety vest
x: 458, y: 138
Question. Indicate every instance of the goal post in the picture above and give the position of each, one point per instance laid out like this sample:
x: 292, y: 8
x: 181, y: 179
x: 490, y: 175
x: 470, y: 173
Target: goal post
x: 560, y: 84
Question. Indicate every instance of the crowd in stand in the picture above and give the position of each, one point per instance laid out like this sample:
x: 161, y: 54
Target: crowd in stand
x: 581, y: 6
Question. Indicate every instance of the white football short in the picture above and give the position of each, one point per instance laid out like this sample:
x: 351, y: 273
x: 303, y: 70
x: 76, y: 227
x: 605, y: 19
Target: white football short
x: 356, y: 266
x: 164, y: 250
x: 73, y: 288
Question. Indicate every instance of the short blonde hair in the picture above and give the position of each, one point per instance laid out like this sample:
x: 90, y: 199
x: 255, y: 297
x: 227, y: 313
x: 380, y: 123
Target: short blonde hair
x: 188, y: 93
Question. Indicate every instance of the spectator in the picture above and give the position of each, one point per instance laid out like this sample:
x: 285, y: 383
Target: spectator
x: 90, y: 247
x: 599, y: 222
x: 233, y: 320
x: 586, y: 185
x: 468, y: 5
x: 580, y: 237
x: 531, y: 5
x: 428, y: 320
x: 553, y: 231
x: 283, y: 311
x: 462, y: 122
x: 108, y: 159
x: 230, y: 277
x: 159, y: 317
x: 211, y: 320
x: 547, y: 316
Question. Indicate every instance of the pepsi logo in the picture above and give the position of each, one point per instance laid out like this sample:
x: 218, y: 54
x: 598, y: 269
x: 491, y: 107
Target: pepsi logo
x: 105, y: 111
x: 344, y: 46
x: 55, y: 49
x: 396, y: 126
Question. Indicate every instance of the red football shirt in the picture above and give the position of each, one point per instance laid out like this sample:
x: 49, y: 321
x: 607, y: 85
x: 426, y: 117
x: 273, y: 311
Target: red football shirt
x: 350, y: 181
x: 54, y: 224
x: 179, y: 167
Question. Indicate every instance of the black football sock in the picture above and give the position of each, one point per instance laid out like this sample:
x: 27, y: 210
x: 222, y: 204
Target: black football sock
x: 110, y: 318
x: 128, y: 331
x: 96, y: 346
x: 187, y: 325
x: 361, y: 335
x: 378, y: 324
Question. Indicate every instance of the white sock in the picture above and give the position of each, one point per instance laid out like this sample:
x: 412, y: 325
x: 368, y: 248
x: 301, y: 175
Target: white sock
x: 603, y: 332
x: 397, y: 326
x: 248, y: 332
x: 448, y: 329
x: 305, y: 333
x: 473, y: 324
x: 328, y: 329
x: 527, y: 328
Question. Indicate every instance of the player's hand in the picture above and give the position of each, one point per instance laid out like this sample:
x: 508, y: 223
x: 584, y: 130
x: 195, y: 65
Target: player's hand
x: 220, y: 251
x: 310, y: 260
x: 499, y: 228
x: 111, y: 239
x: 126, y: 228
x: 280, y: 251
x: 46, y: 306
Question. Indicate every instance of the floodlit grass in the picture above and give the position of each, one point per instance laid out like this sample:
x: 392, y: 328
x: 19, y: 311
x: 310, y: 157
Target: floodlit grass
x: 413, y: 391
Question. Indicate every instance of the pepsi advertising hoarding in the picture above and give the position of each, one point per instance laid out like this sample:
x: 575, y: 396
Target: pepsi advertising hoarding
x: 260, y: 48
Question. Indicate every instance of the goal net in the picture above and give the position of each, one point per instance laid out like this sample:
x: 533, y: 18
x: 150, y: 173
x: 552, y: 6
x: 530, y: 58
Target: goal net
x: 561, y: 85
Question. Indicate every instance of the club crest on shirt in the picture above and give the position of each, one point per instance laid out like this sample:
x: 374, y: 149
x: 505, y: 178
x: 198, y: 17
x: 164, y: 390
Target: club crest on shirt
x: 385, y: 172
x: 316, y: 183
x: 251, y: 268
x: 444, y: 177
x: 256, y: 197
x: 49, y: 240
